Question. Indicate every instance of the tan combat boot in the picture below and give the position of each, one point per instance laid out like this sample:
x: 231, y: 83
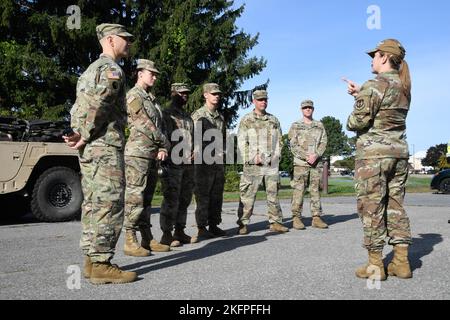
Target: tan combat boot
x: 374, y: 268
x: 151, y: 244
x: 168, y: 240
x: 399, y: 266
x: 298, y: 224
x: 318, y: 223
x: 278, y: 227
x: 87, y: 270
x: 243, y: 230
x: 132, y: 247
x: 103, y: 273
x: 182, y: 237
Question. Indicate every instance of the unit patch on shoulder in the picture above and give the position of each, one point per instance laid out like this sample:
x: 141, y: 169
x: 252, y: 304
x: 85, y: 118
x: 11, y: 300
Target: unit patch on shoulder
x: 130, y: 99
x: 359, y: 105
x: 113, y: 75
x: 134, y: 104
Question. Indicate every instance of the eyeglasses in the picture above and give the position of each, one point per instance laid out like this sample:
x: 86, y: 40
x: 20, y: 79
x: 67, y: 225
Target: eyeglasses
x: 307, y: 108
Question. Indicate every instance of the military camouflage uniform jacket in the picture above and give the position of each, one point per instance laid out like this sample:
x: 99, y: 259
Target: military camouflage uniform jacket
x: 99, y: 113
x: 260, y: 135
x: 379, y: 118
x: 208, y: 120
x: 307, y: 139
x: 146, y: 127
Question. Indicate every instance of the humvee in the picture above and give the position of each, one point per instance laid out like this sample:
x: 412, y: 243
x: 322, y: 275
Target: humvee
x: 46, y: 174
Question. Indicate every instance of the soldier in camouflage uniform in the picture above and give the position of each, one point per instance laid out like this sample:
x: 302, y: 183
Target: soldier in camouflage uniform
x: 178, y: 182
x: 98, y: 120
x: 259, y: 141
x: 379, y: 119
x: 308, y: 140
x: 209, y: 171
x: 146, y: 145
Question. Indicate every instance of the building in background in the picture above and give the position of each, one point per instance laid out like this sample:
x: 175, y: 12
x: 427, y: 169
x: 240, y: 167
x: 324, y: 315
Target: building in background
x: 415, y: 163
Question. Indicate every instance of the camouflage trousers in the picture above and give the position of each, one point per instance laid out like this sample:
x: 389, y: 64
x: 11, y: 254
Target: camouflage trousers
x: 102, y: 170
x: 141, y: 176
x: 208, y: 190
x: 249, y: 187
x: 302, y: 177
x: 177, y: 188
x: 380, y: 187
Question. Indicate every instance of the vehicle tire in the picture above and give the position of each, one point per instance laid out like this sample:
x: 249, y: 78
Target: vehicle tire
x: 444, y: 186
x: 57, y: 195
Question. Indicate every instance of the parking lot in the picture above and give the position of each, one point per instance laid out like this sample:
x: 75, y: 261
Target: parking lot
x: 42, y: 260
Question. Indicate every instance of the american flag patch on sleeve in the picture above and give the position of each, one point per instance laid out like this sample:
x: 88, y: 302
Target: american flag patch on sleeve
x: 113, y: 75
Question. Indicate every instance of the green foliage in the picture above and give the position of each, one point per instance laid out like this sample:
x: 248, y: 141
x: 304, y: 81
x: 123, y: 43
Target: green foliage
x: 287, y: 159
x: 443, y: 162
x: 434, y: 154
x: 337, y: 139
x: 158, y: 190
x: 232, y: 179
x: 193, y: 41
x: 348, y: 163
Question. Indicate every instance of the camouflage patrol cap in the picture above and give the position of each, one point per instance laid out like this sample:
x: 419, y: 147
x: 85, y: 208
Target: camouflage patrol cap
x: 180, y: 88
x: 211, y: 88
x: 110, y: 29
x: 143, y: 64
x: 307, y: 103
x: 390, y: 46
x: 260, y: 94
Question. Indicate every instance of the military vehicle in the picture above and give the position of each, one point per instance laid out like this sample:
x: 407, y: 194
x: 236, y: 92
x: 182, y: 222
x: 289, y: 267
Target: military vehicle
x: 37, y: 167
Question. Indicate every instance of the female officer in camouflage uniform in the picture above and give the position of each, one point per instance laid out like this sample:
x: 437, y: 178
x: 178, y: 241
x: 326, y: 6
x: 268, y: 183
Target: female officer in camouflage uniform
x: 379, y: 119
x: 146, y: 144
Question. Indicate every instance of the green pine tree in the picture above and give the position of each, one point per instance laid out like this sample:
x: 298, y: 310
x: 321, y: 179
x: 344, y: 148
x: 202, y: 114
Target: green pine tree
x: 195, y: 41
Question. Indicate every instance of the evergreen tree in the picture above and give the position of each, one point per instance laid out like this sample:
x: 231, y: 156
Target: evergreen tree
x: 287, y: 159
x: 434, y: 154
x: 337, y: 139
x: 195, y: 41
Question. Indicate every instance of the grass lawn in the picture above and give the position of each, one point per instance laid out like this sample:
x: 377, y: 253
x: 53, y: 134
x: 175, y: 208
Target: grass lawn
x: 337, y: 187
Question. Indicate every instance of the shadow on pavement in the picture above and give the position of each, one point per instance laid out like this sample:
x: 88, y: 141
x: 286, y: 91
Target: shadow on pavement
x: 15, y: 210
x: 333, y: 219
x: 220, y: 245
x: 420, y: 248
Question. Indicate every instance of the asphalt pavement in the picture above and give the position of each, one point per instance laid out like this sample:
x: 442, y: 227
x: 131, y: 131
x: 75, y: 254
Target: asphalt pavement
x: 43, y: 261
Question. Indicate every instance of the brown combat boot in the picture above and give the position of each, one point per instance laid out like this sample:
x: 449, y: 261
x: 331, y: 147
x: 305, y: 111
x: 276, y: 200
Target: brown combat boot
x: 168, y: 240
x: 318, y: 223
x: 216, y: 231
x: 399, y: 266
x: 132, y: 247
x: 87, y: 270
x: 103, y: 273
x: 298, y: 224
x: 243, y: 230
x: 374, y: 268
x: 151, y: 244
x: 182, y: 237
x: 278, y: 227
